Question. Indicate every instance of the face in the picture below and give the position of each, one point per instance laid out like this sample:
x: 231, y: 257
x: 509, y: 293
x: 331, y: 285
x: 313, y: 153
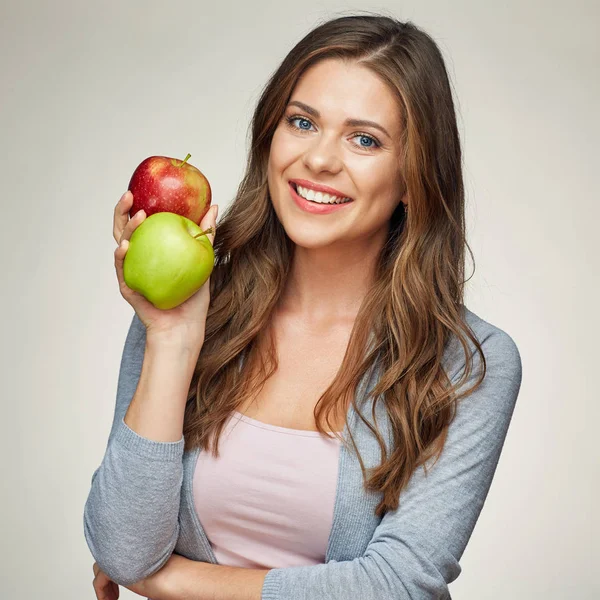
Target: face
x: 317, y: 142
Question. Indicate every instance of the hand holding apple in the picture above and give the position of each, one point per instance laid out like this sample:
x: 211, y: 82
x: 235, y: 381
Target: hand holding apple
x: 174, y: 251
x: 168, y: 259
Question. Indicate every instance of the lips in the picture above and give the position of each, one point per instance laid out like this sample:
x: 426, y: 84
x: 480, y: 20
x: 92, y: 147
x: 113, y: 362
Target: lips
x: 315, y: 208
x: 318, y: 188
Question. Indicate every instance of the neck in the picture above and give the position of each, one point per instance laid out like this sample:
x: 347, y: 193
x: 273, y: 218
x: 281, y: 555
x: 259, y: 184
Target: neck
x: 327, y: 285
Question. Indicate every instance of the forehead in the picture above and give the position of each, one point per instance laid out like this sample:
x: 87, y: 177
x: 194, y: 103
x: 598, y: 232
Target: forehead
x: 343, y: 89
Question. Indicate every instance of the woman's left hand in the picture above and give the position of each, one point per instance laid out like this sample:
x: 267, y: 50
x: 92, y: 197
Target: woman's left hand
x: 105, y: 588
x: 159, y: 586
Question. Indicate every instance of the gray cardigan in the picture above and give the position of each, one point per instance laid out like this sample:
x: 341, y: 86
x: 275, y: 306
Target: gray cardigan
x: 140, y: 508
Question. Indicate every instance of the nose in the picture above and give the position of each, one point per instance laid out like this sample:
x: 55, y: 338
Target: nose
x: 323, y: 155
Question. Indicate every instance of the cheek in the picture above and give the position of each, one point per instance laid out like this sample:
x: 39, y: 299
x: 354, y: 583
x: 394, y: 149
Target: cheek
x: 385, y: 182
x: 285, y: 150
x: 382, y: 190
x: 278, y: 149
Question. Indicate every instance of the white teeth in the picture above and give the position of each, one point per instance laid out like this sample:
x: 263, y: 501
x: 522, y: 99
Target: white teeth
x: 320, y: 197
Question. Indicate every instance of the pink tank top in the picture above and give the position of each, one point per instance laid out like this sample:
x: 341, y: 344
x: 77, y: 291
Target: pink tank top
x: 267, y: 501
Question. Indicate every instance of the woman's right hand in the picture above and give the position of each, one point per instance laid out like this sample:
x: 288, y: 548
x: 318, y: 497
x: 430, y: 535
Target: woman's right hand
x: 186, y: 321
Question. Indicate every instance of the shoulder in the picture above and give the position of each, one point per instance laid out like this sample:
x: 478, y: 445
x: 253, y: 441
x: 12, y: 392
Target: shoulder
x: 498, y: 346
x: 495, y: 341
x: 502, y: 357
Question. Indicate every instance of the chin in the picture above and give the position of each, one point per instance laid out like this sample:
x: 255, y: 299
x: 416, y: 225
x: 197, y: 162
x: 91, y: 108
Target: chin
x: 301, y: 236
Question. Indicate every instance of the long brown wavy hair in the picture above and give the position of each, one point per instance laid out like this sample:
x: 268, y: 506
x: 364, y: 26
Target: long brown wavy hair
x: 415, y: 304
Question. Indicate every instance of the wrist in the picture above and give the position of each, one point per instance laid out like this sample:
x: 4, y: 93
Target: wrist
x: 182, y: 340
x: 182, y: 579
x: 157, y: 409
x: 179, y: 354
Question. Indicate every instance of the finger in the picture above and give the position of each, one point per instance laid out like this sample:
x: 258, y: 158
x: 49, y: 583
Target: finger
x: 98, y: 591
x: 210, y: 220
x: 120, y: 253
x: 127, y: 293
x: 102, y: 587
x: 132, y: 224
x: 121, y: 214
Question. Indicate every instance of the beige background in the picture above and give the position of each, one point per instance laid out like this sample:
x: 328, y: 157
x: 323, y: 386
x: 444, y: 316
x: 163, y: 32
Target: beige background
x: 90, y: 89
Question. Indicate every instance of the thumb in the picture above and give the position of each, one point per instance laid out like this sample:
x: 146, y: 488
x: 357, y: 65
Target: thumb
x: 213, y: 223
x: 210, y: 220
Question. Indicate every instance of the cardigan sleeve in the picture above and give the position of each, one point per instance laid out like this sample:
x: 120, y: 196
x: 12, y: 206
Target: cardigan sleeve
x: 131, y: 514
x: 415, y: 550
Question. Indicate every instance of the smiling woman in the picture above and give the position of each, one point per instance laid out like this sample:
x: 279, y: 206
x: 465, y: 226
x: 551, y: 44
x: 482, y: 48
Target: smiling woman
x: 336, y: 432
x: 345, y: 99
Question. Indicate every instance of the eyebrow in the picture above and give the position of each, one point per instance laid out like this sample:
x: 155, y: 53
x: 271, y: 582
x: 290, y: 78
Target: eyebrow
x: 350, y: 122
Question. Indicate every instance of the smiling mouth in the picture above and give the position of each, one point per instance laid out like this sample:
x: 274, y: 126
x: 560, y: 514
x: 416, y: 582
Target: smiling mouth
x: 327, y: 201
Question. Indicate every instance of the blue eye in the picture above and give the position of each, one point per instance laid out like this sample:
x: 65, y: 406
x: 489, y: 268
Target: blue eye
x: 290, y: 120
x: 364, y: 136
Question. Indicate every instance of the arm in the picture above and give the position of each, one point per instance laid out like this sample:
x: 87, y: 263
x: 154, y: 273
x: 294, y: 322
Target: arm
x: 131, y: 514
x: 415, y: 550
x: 184, y: 578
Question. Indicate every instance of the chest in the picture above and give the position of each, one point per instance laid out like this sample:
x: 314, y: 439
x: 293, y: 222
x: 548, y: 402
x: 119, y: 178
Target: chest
x: 308, y: 361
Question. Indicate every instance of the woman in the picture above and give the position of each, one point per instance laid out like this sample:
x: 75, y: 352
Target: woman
x: 330, y: 355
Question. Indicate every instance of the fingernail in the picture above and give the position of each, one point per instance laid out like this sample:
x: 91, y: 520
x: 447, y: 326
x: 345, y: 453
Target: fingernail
x: 216, y: 211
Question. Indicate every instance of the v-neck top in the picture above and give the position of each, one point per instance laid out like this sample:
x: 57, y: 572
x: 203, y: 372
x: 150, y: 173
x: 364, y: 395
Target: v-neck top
x: 267, y: 500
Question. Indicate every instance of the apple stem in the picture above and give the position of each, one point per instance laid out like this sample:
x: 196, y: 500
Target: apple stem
x: 209, y: 230
x: 184, y: 160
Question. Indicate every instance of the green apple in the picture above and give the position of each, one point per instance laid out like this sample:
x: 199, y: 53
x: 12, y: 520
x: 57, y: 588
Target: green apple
x: 168, y: 260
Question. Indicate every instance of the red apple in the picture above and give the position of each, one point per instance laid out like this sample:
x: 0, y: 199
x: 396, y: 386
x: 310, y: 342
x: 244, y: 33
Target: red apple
x: 162, y: 184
